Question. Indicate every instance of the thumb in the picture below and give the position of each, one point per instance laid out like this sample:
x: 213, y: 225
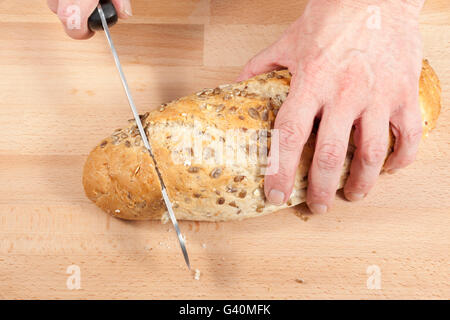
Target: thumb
x: 74, y: 16
x: 264, y: 61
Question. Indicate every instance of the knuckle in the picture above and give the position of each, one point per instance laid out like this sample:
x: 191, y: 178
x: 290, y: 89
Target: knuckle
x: 412, y: 135
x: 373, y: 154
x: 330, y: 155
x: 290, y: 135
x: 315, y: 192
x: 361, y: 186
x: 283, y: 176
x: 313, y: 66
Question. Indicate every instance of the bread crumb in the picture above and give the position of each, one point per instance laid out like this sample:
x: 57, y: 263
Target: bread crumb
x: 197, y: 274
x: 299, y: 280
x: 203, y: 245
x: 304, y: 218
x: 117, y: 211
x: 165, y: 218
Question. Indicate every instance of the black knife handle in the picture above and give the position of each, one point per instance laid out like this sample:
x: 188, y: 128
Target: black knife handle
x: 95, y: 22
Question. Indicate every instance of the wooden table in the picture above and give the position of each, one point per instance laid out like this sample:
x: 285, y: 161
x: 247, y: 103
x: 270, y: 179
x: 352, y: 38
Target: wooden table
x: 59, y: 97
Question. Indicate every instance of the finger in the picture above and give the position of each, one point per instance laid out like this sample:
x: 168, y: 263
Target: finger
x: 53, y: 5
x: 329, y: 156
x: 371, y: 141
x: 123, y: 8
x: 74, y: 16
x: 264, y: 61
x: 294, y: 122
x: 407, y: 129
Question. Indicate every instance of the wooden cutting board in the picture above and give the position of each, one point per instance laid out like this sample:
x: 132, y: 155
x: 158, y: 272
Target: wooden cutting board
x: 59, y: 97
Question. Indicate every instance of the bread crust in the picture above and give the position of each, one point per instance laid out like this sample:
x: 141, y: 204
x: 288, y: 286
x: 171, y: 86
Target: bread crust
x: 119, y: 175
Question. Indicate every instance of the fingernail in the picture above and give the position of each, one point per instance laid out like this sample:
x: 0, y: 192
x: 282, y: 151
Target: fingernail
x: 318, y: 208
x: 127, y: 8
x: 354, y: 196
x: 276, y: 197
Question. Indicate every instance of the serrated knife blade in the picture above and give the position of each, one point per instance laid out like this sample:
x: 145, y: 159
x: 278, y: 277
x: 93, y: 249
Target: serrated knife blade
x: 144, y: 136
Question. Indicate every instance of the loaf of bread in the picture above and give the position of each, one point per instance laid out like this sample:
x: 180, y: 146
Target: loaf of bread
x: 211, y: 150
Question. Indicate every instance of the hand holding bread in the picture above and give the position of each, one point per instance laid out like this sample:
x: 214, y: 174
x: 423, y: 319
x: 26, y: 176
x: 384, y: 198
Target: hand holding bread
x: 119, y: 175
x: 355, y: 64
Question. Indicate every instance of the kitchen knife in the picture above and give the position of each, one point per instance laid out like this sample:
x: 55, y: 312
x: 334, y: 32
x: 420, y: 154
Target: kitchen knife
x: 105, y: 15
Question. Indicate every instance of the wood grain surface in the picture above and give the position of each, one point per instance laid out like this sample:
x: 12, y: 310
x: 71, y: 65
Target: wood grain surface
x: 59, y: 97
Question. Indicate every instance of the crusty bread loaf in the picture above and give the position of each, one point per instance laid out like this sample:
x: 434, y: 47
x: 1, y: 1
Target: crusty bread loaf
x: 120, y: 177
